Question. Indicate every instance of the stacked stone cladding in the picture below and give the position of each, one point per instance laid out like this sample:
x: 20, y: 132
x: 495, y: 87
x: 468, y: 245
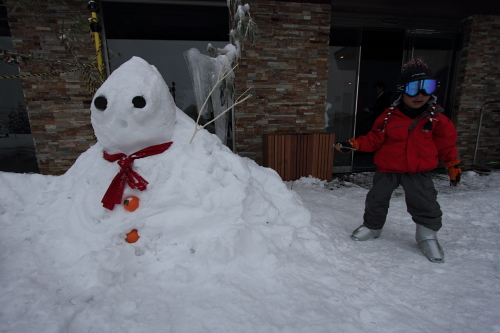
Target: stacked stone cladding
x: 479, y: 82
x: 287, y: 71
x: 58, y: 105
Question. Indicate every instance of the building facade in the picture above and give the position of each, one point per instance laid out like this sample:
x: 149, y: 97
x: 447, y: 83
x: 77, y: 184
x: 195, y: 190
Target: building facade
x: 311, y: 71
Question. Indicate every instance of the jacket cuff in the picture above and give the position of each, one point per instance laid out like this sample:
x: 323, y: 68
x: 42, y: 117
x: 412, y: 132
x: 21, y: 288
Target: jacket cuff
x: 451, y: 163
x: 354, y: 143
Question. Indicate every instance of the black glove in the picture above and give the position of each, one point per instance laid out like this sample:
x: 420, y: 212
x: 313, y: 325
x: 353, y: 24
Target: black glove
x: 344, y: 147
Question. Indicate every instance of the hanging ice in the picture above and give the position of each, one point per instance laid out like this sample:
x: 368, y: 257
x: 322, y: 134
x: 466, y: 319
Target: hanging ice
x: 205, y: 72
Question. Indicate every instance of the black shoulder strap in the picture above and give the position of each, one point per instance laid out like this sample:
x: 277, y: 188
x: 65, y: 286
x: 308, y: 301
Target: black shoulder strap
x: 438, y: 109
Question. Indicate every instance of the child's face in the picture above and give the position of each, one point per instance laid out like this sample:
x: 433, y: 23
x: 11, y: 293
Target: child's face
x: 415, y: 102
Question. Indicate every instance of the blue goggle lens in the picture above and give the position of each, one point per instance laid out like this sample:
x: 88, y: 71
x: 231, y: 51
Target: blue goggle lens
x: 427, y: 87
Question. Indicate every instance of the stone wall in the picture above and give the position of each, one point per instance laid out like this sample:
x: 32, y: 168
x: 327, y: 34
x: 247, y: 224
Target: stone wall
x: 58, y: 105
x: 287, y: 71
x: 479, y: 82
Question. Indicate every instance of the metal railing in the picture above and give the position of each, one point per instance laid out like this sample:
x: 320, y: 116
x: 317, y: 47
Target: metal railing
x: 479, y: 127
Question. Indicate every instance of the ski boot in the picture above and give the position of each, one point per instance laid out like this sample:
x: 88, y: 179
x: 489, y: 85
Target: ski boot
x: 427, y: 242
x: 362, y: 233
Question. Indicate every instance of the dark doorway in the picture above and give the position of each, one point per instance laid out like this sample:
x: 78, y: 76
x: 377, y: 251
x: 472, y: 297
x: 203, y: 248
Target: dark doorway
x: 439, y: 50
x: 361, y: 57
x: 380, y: 62
x: 169, y: 21
x: 17, y: 150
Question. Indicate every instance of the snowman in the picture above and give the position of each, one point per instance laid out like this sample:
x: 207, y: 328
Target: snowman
x: 207, y: 219
x: 132, y: 121
x: 138, y: 123
x: 143, y: 158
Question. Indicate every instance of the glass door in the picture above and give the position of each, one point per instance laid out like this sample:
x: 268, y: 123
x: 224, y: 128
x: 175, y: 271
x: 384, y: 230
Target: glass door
x: 342, y: 90
x: 380, y: 66
x: 362, y: 58
x: 17, y: 149
x: 438, y: 50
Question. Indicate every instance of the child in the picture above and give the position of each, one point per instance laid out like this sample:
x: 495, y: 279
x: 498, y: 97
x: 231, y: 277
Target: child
x: 409, y: 139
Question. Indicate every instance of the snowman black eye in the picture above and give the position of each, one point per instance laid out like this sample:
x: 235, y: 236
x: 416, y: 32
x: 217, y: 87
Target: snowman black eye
x: 101, y: 103
x: 139, y: 102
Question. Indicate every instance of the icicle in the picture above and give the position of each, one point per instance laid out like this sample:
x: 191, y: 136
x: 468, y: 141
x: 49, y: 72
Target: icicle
x: 205, y: 72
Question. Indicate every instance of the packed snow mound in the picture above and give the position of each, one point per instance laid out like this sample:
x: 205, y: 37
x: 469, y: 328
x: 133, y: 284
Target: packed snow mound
x: 209, y: 219
x: 197, y: 193
x: 207, y: 216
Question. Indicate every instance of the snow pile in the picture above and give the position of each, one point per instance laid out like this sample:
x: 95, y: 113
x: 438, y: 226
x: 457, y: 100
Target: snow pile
x: 322, y: 282
x: 208, y: 217
x: 211, y: 225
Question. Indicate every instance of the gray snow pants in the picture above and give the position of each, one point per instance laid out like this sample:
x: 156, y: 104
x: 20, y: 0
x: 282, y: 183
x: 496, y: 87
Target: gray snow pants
x: 420, y: 196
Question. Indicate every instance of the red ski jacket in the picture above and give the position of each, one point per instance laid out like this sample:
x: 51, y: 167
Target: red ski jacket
x: 405, y: 147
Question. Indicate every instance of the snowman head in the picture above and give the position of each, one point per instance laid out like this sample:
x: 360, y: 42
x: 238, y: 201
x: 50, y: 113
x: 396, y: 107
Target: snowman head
x: 133, y: 109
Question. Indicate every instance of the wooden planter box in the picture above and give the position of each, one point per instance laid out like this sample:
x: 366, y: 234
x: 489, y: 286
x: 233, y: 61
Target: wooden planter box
x: 300, y: 155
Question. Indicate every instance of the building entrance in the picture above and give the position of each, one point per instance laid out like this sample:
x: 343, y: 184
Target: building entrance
x: 364, y: 68
x: 17, y: 149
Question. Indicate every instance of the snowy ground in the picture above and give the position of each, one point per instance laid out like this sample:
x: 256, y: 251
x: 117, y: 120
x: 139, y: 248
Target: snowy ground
x: 386, y: 285
x: 325, y: 282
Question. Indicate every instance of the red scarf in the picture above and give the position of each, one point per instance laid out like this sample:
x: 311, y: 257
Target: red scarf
x: 113, y: 195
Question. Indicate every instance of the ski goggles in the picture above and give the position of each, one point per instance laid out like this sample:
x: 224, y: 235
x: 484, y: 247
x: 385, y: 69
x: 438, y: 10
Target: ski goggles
x: 425, y: 86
